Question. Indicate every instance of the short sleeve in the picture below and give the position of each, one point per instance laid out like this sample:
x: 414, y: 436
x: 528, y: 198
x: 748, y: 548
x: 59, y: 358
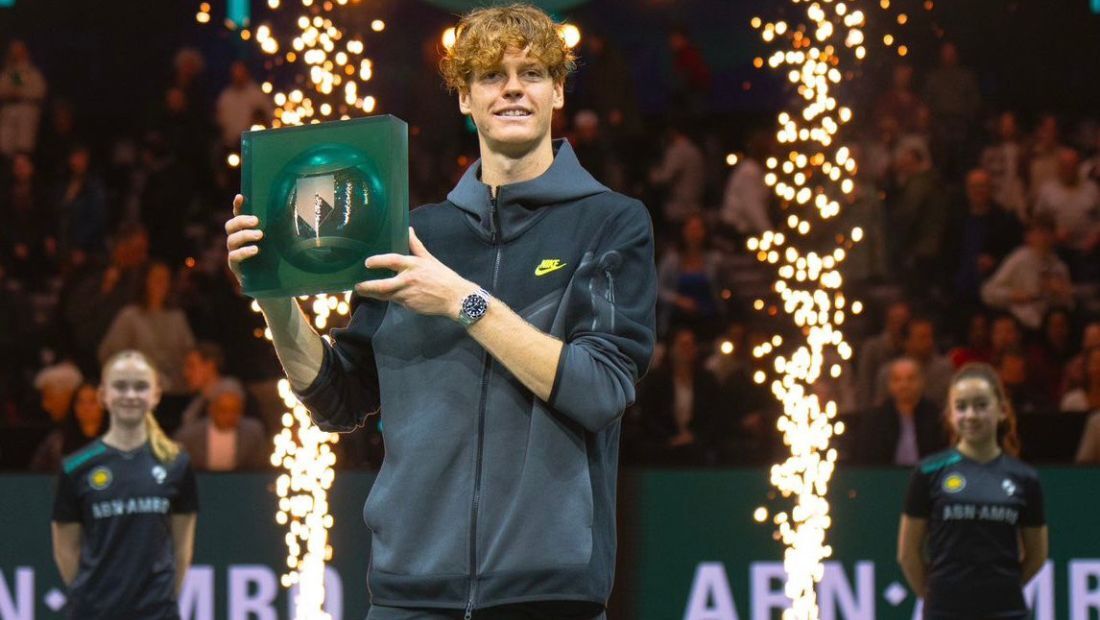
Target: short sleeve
x: 186, y: 500
x: 66, y: 503
x: 918, y: 501
x: 1033, y: 514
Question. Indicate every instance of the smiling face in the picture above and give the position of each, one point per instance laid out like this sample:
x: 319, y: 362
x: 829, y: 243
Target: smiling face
x: 129, y: 390
x: 975, y: 411
x: 512, y: 104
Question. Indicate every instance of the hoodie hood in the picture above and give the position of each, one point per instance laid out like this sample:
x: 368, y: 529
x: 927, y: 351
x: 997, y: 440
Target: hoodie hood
x: 519, y: 204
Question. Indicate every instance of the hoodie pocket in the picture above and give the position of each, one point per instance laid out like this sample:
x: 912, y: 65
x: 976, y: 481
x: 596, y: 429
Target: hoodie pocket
x: 538, y: 502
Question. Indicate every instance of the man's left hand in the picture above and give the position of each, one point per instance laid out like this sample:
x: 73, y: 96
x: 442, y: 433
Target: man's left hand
x: 422, y: 284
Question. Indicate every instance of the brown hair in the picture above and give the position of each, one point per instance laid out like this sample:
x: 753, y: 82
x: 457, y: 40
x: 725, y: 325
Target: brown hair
x: 1007, y: 436
x: 483, y: 35
x: 163, y: 448
x: 143, y: 285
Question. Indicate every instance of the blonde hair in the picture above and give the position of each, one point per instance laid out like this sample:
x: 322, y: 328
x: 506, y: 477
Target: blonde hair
x: 164, y: 449
x: 483, y: 35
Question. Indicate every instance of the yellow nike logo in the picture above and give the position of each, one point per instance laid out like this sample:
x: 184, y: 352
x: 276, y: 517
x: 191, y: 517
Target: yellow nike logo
x: 548, y: 265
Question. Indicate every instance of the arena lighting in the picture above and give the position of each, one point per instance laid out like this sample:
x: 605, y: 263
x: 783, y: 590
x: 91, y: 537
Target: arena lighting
x: 811, y: 173
x: 336, y: 72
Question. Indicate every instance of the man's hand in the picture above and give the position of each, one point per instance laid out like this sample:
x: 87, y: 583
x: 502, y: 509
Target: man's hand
x: 422, y: 284
x: 241, y: 237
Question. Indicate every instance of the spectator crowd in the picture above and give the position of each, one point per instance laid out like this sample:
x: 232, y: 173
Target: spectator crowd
x: 982, y: 243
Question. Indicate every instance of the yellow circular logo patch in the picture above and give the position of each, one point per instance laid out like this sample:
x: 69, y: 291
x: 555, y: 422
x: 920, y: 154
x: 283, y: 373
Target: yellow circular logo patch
x: 954, y: 483
x: 100, y: 478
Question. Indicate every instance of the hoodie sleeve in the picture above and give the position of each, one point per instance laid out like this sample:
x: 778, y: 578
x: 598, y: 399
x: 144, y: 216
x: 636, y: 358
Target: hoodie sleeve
x: 610, y: 331
x: 345, y: 391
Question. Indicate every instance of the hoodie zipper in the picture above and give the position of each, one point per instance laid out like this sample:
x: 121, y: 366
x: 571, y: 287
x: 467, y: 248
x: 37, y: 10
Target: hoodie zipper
x: 486, y: 371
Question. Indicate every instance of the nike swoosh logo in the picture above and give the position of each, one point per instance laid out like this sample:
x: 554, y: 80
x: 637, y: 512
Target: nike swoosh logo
x: 548, y: 266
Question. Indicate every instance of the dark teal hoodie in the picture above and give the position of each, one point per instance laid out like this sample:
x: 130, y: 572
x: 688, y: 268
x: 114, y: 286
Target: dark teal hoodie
x: 489, y: 495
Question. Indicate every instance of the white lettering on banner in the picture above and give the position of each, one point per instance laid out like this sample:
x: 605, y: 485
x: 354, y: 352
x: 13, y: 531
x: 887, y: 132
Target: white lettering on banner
x: 711, y: 598
x: 197, y: 597
x: 1082, y: 598
x: 334, y: 595
x: 835, y: 595
x: 243, y: 604
x: 764, y: 598
x: 1039, y: 593
x: 20, y: 606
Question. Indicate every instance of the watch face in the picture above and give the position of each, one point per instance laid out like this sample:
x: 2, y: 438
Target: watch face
x: 474, y: 306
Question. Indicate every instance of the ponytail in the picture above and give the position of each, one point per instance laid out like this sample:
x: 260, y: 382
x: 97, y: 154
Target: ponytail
x: 163, y: 448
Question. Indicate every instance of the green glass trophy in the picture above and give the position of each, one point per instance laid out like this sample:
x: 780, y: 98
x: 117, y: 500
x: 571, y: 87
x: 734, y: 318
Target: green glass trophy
x: 328, y: 196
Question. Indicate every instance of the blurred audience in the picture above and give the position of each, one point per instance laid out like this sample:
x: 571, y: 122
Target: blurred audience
x: 954, y: 100
x: 1086, y: 397
x: 56, y: 385
x: 906, y: 427
x: 1003, y: 161
x: 680, y: 407
x: 981, y: 234
x: 155, y: 326
x: 225, y: 440
x: 22, y: 89
x: 1088, y: 450
x: 1032, y: 279
x: 746, y: 197
x: 687, y: 282
x: 681, y: 172
x: 1073, y: 203
x: 85, y: 422
x: 919, y: 346
x: 941, y: 220
x: 241, y: 105
x: 877, y: 351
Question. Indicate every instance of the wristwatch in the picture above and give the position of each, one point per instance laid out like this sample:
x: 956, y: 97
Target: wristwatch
x: 474, y: 306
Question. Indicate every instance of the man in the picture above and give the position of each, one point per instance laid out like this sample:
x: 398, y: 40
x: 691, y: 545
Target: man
x: 56, y: 385
x: 905, y: 428
x: 682, y: 173
x: 983, y: 233
x: 919, y: 338
x: 746, y: 198
x: 1019, y: 386
x: 878, y: 350
x: 1074, y: 204
x: 919, y: 217
x: 22, y: 89
x: 202, y: 370
x: 1003, y: 161
x: 501, y: 426
x: 225, y: 440
x: 240, y: 105
x: 954, y: 100
x: 1032, y: 279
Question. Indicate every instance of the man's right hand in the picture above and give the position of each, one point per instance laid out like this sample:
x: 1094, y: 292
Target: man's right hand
x: 241, y: 236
